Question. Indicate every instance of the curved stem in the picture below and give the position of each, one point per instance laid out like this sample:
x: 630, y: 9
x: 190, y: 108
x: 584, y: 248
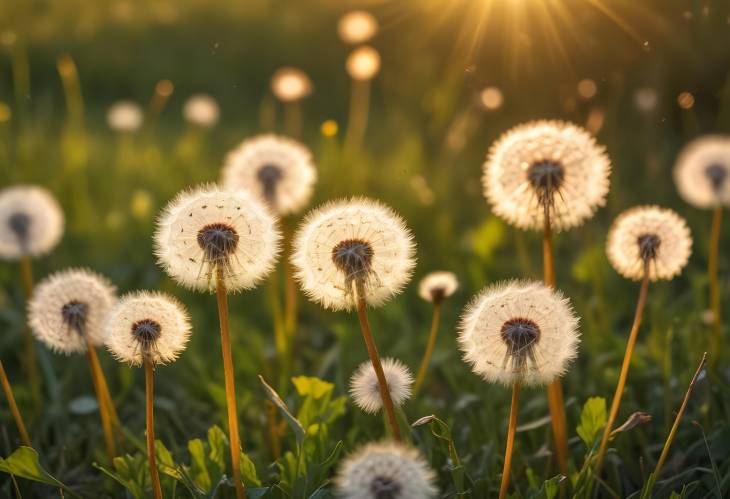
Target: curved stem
x: 712, y: 270
x: 429, y: 348
x: 375, y: 360
x: 511, y: 428
x: 104, y: 412
x: 222, y: 298
x: 14, y: 407
x: 149, y: 390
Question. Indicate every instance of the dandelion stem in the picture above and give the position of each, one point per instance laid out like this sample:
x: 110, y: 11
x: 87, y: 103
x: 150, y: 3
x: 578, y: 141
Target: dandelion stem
x: 104, y: 409
x: 293, y: 119
x: 615, y: 404
x: 149, y: 390
x: 222, y: 298
x: 375, y: 360
x: 30, y: 366
x: 359, y: 110
x: 291, y: 295
x: 14, y: 407
x: 510, y: 441
x: 646, y: 493
x: 429, y: 348
x: 712, y: 270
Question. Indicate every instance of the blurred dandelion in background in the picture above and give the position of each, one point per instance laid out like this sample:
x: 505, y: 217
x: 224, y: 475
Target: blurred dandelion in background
x: 125, y: 116
x: 31, y: 222
x: 365, y: 390
x: 290, y: 86
x: 357, y: 26
x: 201, y: 110
x: 362, y: 65
x: 491, y: 98
x: 646, y: 99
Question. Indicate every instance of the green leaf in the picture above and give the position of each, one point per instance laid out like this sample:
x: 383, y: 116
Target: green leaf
x: 24, y: 463
x: 248, y: 471
x: 550, y: 488
x: 293, y: 422
x: 218, y: 442
x: 308, y: 385
x: 592, y: 420
x: 487, y: 237
x: 198, y: 468
x: 131, y: 472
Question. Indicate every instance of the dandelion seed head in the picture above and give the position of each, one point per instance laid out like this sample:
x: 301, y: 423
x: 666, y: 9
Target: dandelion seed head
x: 31, y: 222
x: 207, y: 229
x: 702, y: 172
x: 357, y: 26
x: 546, y: 166
x: 70, y: 306
x: 201, y: 110
x: 385, y: 470
x: 365, y: 389
x: 657, y: 236
x: 290, y: 84
x: 437, y: 286
x: 363, y: 63
x: 148, y: 325
x: 278, y: 171
x: 125, y: 116
x: 351, y: 245
x: 519, y: 332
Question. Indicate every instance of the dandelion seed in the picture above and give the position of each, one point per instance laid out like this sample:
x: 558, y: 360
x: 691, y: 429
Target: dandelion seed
x: 649, y: 235
x: 278, y: 171
x: 208, y: 229
x: 546, y: 168
x: 365, y: 390
x: 702, y: 172
x: 290, y: 84
x: 363, y: 63
x: 357, y: 26
x: 31, y: 222
x: 201, y: 110
x: 385, y: 470
x: 437, y: 286
x: 125, y: 116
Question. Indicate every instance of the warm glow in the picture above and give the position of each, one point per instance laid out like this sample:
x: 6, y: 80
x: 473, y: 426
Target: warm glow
x: 357, y: 26
x: 491, y: 98
x: 290, y: 84
x: 363, y: 63
x: 587, y: 89
x: 686, y: 100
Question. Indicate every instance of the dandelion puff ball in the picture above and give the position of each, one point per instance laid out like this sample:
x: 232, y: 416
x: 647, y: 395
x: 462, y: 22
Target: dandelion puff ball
x: 70, y: 306
x: 209, y: 230
x: 148, y: 325
x: 385, y: 470
x: 125, y: 116
x: 702, y: 172
x: 357, y: 26
x: 350, y: 246
x: 201, y: 110
x: 365, y: 389
x: 290, y: 84
x: 546, y: 165
x: 31, y: 222
x: 437, y: 286
x: 278, y: 170
x: 363, y: 63
x: 520, y: 332
x: 649, y: 233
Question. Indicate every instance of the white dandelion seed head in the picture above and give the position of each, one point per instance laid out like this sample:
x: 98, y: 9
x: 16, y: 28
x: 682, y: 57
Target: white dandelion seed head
x: 279, y: 171
x: 546, y: 165
x: 657, y: 235
x: 201, y: 110
x: 437, y: 286
x: 519, y: 331
x: 31, y: 222
x: 207, y: 229
x: 147, y: 324
x: 70, y: 306
x: 385, y: 470
x: 365, y: 389
x: 353, y: 245
x: 125, y: 116
x: 702, y: 172
x: 290, y: 84
x: 363, y: 63
x: 357, y: 26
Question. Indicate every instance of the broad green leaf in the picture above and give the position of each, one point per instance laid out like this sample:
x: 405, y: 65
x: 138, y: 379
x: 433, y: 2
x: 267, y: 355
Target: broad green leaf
x: 248, y: 471
x: 308, y: 385
x: 198, y: 468
x: 218, y: 442
x: 24, y: 463
x: 131, y: 472
x: 592, y: 420
x: 550, y: 488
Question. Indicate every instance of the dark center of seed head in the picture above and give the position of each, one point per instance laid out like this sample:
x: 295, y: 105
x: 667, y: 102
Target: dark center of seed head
x: 19, y: 223
x: 74, y: 314
x: 717, y: 174
x: 146, y: 332
x: 218, y: 242
x: 520, y: 335
x: 546, y: 177
x: 354, y: 257
x: 384, y: 488
x: 269, y: 175
x: 438, y: 295
x: 648, y: 246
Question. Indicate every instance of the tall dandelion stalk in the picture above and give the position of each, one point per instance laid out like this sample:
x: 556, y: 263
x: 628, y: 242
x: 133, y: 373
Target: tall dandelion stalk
x: 362, y: 65
x: 645, y: 243
x: 223, y: 241
x: 350, y: 254
x: 291, y: 86
x: 19, y: 422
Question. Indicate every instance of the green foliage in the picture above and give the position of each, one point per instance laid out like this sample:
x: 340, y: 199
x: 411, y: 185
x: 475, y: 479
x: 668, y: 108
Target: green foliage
x: 24, y: 463
x: 593, y: 418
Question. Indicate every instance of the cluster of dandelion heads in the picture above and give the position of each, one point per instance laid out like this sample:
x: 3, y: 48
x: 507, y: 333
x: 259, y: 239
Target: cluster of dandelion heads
x: 201, y: 110
x: 357, y: 26
x: 520, y: 332
x: 649, y: 235
x: 31, y: 222
x: 702, y: 172
x: 365, y: 389
x: 363, y: 63
x: 147, y: 326
x: 435, y: 287
x: 278, y: 170
x: 385, y: 470
x: 69, y: 307
x: 353, y: 245
x: 125, y: 116
x: 290, y: 84
x: 209, y: 230
x: 546, y: 167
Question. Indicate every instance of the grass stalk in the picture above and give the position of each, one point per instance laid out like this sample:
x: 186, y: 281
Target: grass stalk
x: 293, y: 119
x: 149, y: 391
x: 423, y: 369
x: 358, y: 118
x: 24, y: 438
x: 30, y: 364
x: 712, y: 271
x: 506, y: 469
x: 101, y: 397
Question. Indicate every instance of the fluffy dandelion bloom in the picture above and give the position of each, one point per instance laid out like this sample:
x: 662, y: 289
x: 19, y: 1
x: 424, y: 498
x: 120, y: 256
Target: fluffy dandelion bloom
x: 207, y: 229
x: 31, y: 222
x: 290, y: 84
x: 657, y: 236
x: 365, y: 390
x: 125, y: 116
x: 546, y: 166
x: 520, y: 332
x: 353, y: 245
x: 357, y: 26
x: 385, y: 470
x: 70, y: 306
x: 702, y: 172
x: 437, y: 286
x: 201, y: 110
x: 278, y: 170
x: 147, y: 325
x: 363, y: 63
